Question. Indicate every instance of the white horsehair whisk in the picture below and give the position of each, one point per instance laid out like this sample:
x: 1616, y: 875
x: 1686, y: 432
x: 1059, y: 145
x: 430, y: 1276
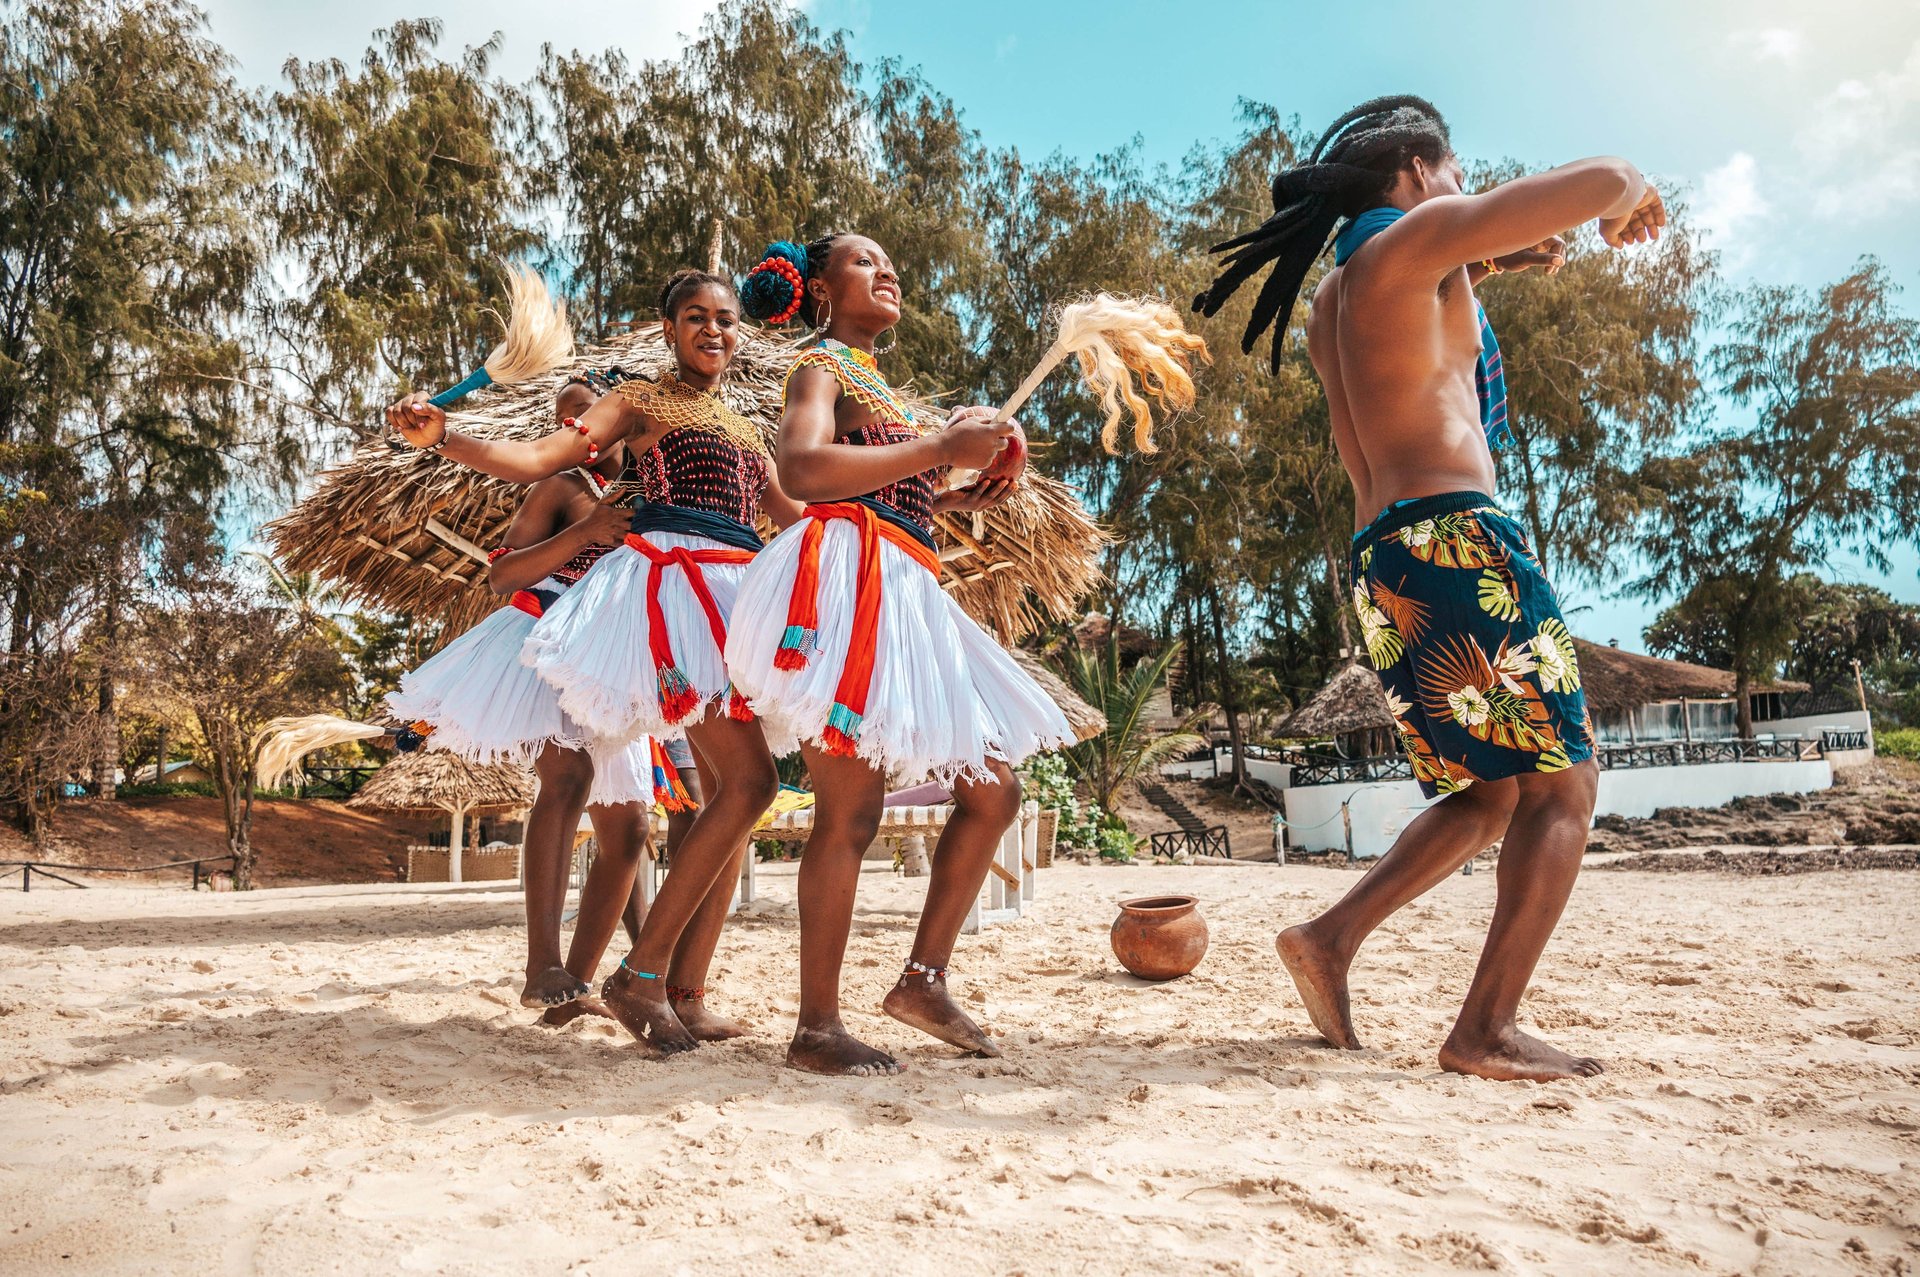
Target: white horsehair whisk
x: 538, y: 340
x: 1118, y: 341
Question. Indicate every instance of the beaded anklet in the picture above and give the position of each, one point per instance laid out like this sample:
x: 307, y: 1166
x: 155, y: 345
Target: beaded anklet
x: 685, y: 993
x: 636, y: 973
x: 921, y: 968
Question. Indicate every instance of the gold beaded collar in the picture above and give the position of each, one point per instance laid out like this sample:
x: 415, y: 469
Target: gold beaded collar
x: 674, y: 405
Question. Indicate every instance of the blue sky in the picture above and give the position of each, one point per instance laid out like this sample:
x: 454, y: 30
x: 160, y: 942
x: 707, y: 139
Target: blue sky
x: 1795, y: 128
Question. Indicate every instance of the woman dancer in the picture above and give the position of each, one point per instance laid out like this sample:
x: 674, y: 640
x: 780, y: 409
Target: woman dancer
x: 843, y: 638
x: 637, y: 646
x: 482, y: 704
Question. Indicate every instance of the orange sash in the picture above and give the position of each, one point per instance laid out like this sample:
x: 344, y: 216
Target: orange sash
x: 677, y: 697
x: 802, y: 636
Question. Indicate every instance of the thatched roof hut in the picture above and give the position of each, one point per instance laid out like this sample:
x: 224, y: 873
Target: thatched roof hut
x: 408, y: 530
x: 1620, y: 682
x: 434, y: 780
x: 1352, y: 701
x: 1086, y: 721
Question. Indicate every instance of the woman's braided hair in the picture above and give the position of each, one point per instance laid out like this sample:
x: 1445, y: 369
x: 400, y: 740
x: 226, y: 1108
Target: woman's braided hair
x: 775, y: 290
x: 1351, y: 169
x: 683, y: 284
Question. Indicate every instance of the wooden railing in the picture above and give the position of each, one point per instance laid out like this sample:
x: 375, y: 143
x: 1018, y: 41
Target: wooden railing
x: 45, y: 869
x: 1310, y: 768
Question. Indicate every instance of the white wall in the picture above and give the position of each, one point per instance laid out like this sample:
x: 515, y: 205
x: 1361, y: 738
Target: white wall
x: 1381, y: 809
x: 1641, y: 791
x: 1277, y: 774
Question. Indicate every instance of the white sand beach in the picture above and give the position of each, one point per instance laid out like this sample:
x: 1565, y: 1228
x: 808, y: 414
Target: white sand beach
x: 333, y: 1081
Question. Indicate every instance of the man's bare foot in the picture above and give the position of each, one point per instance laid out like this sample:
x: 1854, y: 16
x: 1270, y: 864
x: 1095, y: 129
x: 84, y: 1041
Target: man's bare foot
x: 928, y: 1007
x: 553, y: 987
x: 704, y: 1024
x: 1321, y: 977
x: 1512, y: 1056
x: 837, y: 1052
x: 568, y: 1012
x: 641, y: 1005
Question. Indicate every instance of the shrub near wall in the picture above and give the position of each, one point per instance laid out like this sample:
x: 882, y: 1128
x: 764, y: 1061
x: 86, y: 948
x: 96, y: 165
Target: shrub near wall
x: 1902, y: 742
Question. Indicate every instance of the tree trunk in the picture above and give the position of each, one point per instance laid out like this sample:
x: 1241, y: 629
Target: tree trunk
x: 1342, y: 606
x: 1229, y: 703
x: 1743, y: 704
x: 160, y: 756
x: 106, y: 758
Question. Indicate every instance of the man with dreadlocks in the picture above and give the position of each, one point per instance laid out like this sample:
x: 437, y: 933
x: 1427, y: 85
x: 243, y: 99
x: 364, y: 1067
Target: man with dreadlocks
x: 1459, y: 621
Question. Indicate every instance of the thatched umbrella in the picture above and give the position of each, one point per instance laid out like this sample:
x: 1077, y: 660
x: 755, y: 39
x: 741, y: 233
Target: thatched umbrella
x: 408, y: 530
x: 434, y: 780
x: 1352, y: 701
x: 1086, y: 721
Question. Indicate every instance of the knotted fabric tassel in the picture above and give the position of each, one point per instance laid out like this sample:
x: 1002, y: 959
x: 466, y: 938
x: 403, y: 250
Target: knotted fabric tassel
x: 677, y: 696
x: 802, y: 637
x: 668, y: 789
x: 842, y: 733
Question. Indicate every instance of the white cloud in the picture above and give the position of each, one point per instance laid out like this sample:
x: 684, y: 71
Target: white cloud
x: 1730, y: 200
x: 1861, y: 145
x: 1771, y: 44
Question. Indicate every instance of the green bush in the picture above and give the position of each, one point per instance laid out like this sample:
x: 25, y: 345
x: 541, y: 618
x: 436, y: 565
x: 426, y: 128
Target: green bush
x: 1045, y: 779
x: 1902, y: 742
x: 190, y: 789
x: 169, y: 789
x: 1116, y: 843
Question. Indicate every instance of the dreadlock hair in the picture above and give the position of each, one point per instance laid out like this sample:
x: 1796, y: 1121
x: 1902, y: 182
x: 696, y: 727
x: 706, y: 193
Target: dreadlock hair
x: 775, y: 290
x: 1351, y: 169
x: 683, y: 284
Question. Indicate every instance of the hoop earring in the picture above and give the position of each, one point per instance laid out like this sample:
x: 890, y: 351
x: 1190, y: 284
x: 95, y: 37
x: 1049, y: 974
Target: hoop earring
x: 878, y: 349
x: 823, y: 316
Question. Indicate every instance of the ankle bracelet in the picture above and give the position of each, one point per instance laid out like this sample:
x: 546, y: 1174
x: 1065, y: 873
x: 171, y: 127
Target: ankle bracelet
x: 685, y: 993
x: 636, y: 973
x: 921, y: 968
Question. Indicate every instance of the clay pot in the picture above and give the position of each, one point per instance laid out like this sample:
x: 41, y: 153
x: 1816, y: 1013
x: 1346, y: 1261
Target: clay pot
x: 1160, y: 937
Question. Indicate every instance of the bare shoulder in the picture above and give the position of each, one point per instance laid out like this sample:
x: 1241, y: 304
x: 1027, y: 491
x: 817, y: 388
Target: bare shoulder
x: 1324, y: 314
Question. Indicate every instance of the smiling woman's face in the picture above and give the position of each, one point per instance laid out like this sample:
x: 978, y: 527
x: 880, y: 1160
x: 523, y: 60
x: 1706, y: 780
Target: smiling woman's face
x: 859, y: 286
x: 705, y: 331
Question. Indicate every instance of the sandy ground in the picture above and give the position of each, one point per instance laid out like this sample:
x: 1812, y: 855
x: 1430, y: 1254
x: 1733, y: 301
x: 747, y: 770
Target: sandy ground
x: 325, y: 1081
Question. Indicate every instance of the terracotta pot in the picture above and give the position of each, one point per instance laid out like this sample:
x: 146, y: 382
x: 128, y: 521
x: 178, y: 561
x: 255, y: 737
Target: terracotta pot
x: 1160, y: 937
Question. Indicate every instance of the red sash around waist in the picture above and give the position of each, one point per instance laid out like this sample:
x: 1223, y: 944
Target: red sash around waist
x: 802, y: 636
x: 677, y: 697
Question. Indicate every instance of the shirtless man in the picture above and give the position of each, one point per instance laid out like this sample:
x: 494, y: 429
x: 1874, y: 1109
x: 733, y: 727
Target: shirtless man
x: 1459, y: 621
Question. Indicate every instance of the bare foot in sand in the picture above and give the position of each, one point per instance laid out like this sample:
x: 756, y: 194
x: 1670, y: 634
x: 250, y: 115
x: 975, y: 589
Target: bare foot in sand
x: 1512, y: 1056
x: 928, y: 1007
x: 552, y: 987
x: 1321, y: 977
x: 833, y: 1050
x: 641, y: 1005
x: 705, y: 1025
x: 568, y: 1012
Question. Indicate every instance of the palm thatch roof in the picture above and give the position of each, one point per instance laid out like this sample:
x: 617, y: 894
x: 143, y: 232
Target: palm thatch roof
x: 434, y: 780
x: 1086, y: 721
x: 1619, y: 682
x: 1352, y: 701
x: 408, y: 530
x: 1615, y: 681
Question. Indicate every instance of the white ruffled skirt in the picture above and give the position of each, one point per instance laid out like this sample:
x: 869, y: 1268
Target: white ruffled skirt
x: 945, y: 697
x: 486, y: 706
x: 594, y: 646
